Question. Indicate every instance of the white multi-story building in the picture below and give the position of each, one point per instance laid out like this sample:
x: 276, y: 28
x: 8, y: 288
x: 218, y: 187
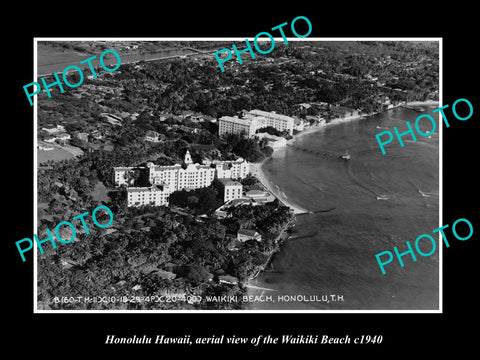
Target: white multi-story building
x: 121, y: 175
x: 232, y: 169
x: 223, y: 171
x: 194, y: 176
x: 235, y: 125
x: 254, y: 120
x: 167, y: 179
x: 155, y: 195
x: 231, y: 189
x: 277, y: 121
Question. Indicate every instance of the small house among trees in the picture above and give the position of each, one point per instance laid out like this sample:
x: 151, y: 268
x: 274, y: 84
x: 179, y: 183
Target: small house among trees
x: 247, y: 234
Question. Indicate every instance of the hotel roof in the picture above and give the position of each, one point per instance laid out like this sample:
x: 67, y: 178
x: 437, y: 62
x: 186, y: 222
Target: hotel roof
x: 144, y: 189
x: 222, y: 166
x: 179, y: 167
x: 167, y: 167
x: 237, y: 160
x: 269, y: 114
x: 229, y: 182
x: 247, y: 121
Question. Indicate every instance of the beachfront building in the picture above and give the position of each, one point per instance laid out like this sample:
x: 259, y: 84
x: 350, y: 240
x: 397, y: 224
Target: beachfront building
x: 223, y: 171
x: 170, y: 178
x: 277, y: 121
x: 253, y: 197
x: 235, y: 125
x: 231, y: 189
x: 254, y: 120
x: 193, y: 176
x: 257, y: 196
x: 231, y: 169
x: 343, y: 111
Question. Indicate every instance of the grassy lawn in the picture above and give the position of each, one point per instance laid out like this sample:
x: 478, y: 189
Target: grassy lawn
x: 53, y: 58
x: 100, y: 192
x: 56, y: 154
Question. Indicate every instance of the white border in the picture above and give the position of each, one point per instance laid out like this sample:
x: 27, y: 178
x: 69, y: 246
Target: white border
x: 440, y: 292
x: 35, y: 180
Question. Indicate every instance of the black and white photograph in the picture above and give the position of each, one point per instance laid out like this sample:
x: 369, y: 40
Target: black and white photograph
x: 242, y: 181
x: 293, y: 179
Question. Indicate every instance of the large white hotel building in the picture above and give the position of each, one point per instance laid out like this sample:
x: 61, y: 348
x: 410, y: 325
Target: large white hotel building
x: 167, y: 179
x: 252, y: 121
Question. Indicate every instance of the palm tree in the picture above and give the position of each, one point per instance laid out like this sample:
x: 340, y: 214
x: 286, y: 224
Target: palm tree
x: 90, y: 274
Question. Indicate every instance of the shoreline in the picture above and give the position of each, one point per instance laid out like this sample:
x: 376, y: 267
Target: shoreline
x: 256, y: 170
x: 274, y: 189
x: 423, y: 103
x: 252, y: 286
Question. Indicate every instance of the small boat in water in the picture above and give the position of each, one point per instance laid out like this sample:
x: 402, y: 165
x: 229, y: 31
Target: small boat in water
x: 346, y: 156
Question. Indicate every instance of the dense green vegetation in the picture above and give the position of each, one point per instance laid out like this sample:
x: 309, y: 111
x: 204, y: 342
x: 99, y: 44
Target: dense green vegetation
x: 150, y: 251
x: 146, y: 244
x: 333, y: 72
x: 203, y: 200
x: 320, y: 71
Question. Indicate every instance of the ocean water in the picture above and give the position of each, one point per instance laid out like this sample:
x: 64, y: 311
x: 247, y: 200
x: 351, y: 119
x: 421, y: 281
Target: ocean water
x: 360, y: 208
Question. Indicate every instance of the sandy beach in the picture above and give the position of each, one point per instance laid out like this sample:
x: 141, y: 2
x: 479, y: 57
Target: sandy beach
x: 258, y: 286
x: 256, y: 169
x: 423, y: 103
